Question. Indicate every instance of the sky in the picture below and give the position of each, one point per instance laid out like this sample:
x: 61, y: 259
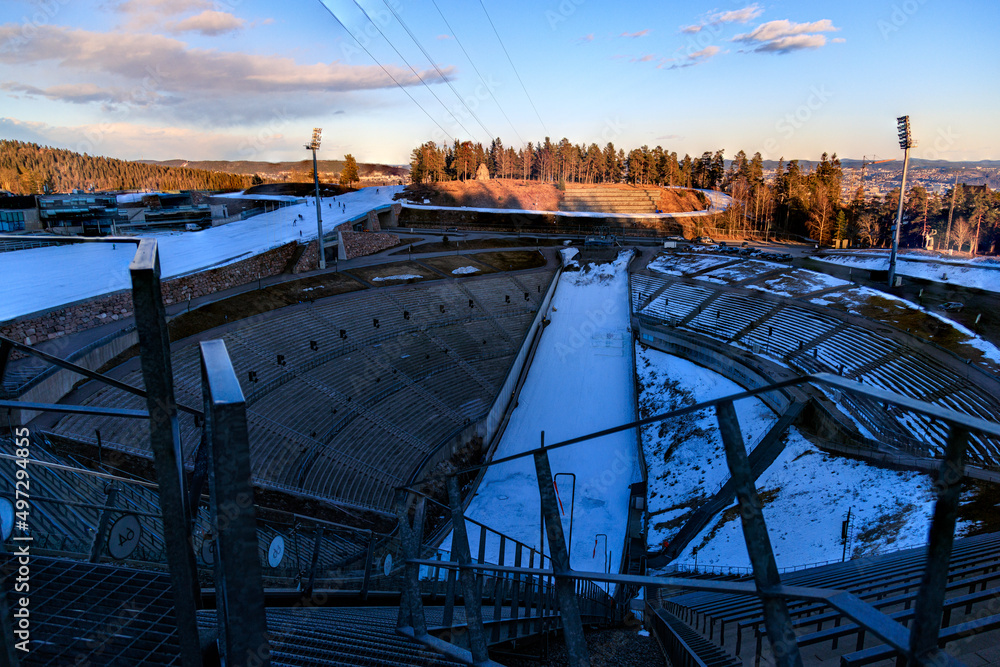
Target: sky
x: 249, y: 79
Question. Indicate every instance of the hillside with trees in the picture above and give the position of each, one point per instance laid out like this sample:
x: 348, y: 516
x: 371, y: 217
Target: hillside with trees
x: 795, y: 198
x: 27, y: 168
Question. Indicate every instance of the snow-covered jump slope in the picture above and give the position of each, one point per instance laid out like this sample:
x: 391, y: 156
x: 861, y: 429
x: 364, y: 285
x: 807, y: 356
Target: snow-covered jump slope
x: 43, y: 278
x: 579, y: 382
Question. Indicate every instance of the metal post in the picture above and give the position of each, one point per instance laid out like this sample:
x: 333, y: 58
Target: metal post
x: 369, y: 560
x: 240, y: 605
x: 314, y: 563
x: 541, y: 507
x: 572, y: 505
x: 905, y: 142
x: 930, y: 597
x: 569, y: 606
x: 319, y: 214
x: 411, y: 606
x: 460, y: 551
x: 780, y: 632
x: 102, y: 524
x: 157, y: 374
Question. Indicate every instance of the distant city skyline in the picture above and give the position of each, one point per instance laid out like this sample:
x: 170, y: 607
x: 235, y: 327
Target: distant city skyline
x: 249, y: 79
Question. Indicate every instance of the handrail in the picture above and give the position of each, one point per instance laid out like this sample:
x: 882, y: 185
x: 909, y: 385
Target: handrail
x: 934, y: 411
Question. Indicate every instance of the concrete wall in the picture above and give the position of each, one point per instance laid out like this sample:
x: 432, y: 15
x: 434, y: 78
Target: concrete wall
x: 90, y: 313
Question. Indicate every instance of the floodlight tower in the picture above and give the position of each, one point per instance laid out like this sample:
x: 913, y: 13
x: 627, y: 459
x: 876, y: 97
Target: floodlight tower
x: 906, y: 142
x: 314, y: 146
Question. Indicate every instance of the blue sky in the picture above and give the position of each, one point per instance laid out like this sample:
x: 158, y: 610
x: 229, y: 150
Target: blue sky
x: 249, y: 79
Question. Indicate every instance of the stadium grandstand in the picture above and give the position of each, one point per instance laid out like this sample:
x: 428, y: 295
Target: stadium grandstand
x: 298, y: 487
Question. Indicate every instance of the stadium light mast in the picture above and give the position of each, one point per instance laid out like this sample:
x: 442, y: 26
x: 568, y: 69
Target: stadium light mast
x: 314, y: 146
x: 906, y: 142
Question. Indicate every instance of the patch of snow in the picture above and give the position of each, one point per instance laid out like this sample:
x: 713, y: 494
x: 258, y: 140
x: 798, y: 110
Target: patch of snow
x: 681, y: 264
x: 807, y: 494
x: 982, y: 274
x: 465, y: 270
x: 685, y: 460
x: 401, y: 276
x: 799, y: 281
x: 567, y: 255
x: 571, y: 389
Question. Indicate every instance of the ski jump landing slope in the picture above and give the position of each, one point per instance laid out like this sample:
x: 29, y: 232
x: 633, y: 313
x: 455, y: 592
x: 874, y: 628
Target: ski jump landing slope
x: 579, y: 382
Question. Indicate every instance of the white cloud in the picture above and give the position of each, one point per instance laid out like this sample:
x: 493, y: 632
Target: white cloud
x: 641, y: 33
x: 587, y: 38
x: 742, y: 15
x: 784, y: 36
x: 697, y: 57
x: 208, y: 85
x: 442, y: 37
x: 209, y: 23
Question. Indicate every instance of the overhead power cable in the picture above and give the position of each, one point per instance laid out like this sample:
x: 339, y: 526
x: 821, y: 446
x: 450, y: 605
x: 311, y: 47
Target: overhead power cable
x: 387, y: 72
x: 415, y: 72
x: 526, y: 94
x: 489, y: 88
x: 434, y: 64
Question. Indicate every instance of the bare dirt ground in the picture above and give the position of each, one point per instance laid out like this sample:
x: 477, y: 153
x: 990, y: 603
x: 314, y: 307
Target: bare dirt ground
x: 531, y: 195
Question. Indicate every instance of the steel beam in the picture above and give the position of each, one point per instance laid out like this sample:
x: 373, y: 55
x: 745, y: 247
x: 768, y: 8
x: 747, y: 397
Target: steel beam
x: 780, y: 632
x: 75, y: 409
x: 164, y: 430
x: 411, y: 605
x: 460, y: 549
x: 569, y: 605
x: 102, y: 524
x: 240, y: 603
x: 930, y: 597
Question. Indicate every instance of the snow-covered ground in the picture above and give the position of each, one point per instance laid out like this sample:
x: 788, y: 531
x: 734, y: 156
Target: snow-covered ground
x: 858, y: 296
x: 43, y: 278
x: 685, y: 460
x: 806, y: 495
x: 969, y: 273
x: 399, y: 276
x: 579, y: 382
x: 679, y: 265
x: 741, y: 271
x: 798, y: 282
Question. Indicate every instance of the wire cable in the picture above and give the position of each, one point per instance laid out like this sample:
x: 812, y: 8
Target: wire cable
x: 434, y: 64
x: 489, y: 89
x: 526, y: 94
x: 389, y: 74
x: 417, y: 74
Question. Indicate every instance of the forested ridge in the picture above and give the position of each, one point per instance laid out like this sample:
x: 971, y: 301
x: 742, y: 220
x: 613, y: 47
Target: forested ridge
x: 792, y: 198
x: 28, y: 168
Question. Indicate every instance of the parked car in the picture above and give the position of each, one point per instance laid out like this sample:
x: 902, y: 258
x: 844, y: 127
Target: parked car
x: 675, y: 238
x: 703, y: 239
x: 952, y: 306
x: 783, y: 257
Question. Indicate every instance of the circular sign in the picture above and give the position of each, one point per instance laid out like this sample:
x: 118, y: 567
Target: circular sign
x: 387, y: 564
x: 208, y: 551
x: 276, y: 551
x: 124, y: 538
x: 6, y: 518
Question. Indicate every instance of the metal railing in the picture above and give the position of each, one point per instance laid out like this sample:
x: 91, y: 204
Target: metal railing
x: 918, y: 643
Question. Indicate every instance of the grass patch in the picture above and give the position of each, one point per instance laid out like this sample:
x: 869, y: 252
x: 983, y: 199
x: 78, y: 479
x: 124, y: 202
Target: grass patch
x: 449, y: 263
x: 516, y: 260
x: 885, y: 528
x: 369, y: 273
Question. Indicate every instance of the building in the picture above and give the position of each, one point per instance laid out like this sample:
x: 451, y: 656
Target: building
x: 88, y: 213
x: 18, y: 214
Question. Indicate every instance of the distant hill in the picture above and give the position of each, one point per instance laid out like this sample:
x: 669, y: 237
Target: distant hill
x: 282, y: 170
x: 28, y: 168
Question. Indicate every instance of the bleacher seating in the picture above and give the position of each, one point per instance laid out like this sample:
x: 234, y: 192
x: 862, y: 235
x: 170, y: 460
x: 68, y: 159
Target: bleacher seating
x: 887, y: 582
x: 811, y: 339
x: 349, y: 419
